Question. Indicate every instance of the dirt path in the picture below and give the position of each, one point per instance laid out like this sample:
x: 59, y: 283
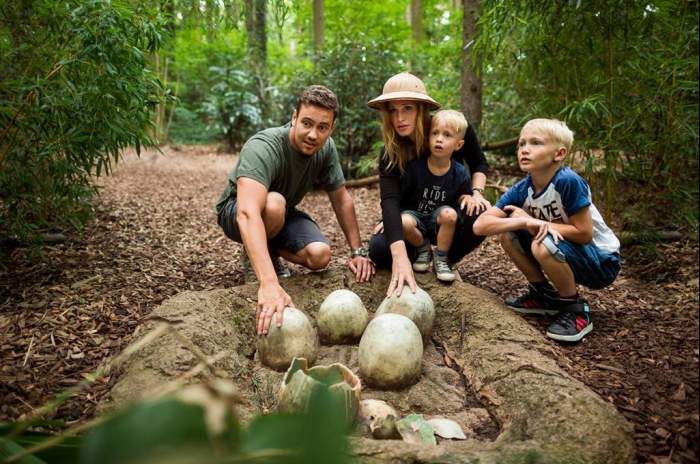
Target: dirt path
x: 156, y: 235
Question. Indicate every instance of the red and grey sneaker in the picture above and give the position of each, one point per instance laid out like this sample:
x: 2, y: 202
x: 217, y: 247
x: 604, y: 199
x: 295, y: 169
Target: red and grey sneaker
x: 533, y: 302
x: 573, y: 323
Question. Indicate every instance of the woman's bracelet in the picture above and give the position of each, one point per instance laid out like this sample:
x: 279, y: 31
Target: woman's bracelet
x: 478, y: 189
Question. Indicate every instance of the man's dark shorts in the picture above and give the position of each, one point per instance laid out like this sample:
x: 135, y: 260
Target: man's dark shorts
x: 299, y: 229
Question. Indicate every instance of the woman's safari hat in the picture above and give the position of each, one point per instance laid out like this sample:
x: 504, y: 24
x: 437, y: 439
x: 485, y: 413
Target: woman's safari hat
x: 403, y: 86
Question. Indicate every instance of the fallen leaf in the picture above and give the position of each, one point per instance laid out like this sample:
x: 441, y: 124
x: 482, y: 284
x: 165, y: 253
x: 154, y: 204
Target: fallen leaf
x: 680, y: 393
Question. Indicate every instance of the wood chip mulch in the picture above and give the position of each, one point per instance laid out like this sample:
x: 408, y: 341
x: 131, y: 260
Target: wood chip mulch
x: 155, y: 235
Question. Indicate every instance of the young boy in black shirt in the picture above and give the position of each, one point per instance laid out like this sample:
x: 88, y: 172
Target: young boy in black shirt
x: 434, y: 192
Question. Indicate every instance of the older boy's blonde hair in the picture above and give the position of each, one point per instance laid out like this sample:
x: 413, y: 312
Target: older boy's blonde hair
x: 452, y: 118
x: 556, y: 129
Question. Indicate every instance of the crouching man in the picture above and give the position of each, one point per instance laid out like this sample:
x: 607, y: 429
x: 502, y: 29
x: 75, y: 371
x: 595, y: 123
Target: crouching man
x: 276, y: 169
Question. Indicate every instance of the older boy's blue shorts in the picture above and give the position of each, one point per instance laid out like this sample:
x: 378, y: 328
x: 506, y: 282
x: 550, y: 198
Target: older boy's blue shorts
x: 298, y: 231
x: 427, y: 222
x: 591, y: 267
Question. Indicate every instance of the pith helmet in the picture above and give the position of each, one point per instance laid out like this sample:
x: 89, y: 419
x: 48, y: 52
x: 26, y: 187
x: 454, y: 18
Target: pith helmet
x: 403, y: 86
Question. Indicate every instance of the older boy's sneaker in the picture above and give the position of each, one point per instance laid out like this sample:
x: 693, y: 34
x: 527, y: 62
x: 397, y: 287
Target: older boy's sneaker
x: 573, y: 323
x: 443, y: 270
x: 533, y: 302
x: 278, y: 264
x: 422, y: 262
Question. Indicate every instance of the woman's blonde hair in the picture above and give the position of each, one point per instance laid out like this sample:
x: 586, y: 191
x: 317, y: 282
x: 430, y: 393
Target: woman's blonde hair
x: 400, y: 150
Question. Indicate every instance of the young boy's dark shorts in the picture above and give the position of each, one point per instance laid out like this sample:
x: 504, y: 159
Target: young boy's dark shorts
x: 592, y: 267
x: 427, y: 222
x: 298, y: 231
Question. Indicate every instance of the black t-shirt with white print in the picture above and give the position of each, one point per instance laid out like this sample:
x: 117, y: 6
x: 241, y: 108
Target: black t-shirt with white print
x: 424, y: 192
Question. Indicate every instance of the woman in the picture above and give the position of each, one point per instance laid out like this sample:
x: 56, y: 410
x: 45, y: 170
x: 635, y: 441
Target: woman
x: 405, y: 107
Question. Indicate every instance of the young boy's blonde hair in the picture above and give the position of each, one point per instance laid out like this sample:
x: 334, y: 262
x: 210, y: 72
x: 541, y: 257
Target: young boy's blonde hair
x: 452, y: 118
x: 556, y: 129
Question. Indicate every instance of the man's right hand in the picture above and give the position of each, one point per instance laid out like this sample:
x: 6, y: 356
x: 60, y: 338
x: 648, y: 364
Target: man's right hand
x: 271, y: 299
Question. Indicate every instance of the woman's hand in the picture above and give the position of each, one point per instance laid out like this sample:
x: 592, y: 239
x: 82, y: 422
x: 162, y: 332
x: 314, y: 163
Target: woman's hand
x: 401, y: 270
x: 474, y: 204
x: 379, y: 228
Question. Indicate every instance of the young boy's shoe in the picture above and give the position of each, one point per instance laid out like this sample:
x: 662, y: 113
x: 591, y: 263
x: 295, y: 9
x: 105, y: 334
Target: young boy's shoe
x: 423, y: 257
x: 573, y: 323
x: 443, y: 270
x: 533, y: 302
x: 278, y: 264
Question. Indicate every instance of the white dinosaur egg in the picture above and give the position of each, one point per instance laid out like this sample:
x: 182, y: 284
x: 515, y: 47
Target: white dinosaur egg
x: 391, y: 352
x: 341, y: 318
x: 296, y: 338
x: 418, y: 307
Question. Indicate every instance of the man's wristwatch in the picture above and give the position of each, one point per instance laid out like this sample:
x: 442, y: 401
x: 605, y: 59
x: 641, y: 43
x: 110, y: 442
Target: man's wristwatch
x: 362, y: 251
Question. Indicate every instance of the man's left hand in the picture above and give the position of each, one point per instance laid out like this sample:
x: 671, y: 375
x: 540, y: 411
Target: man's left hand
x: 362, y: 267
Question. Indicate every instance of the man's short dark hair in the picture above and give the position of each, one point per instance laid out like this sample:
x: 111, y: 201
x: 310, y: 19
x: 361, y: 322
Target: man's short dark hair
x: 319, y: 95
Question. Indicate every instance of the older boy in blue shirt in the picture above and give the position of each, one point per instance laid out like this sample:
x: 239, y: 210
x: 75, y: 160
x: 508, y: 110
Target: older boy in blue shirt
x: 435, y: 189
x: 550, y: 229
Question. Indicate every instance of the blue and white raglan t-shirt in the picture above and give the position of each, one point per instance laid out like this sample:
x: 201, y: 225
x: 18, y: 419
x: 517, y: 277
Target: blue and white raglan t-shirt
x: 565, y: 195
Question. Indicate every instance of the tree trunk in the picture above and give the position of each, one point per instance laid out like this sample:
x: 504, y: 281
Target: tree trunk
x: 417, y: 20
x: 257, y: 34
x: 319, y: 25
x: 471, y: 81
x: 261, y: 32
x: 257, y: 44
x: 250, y: 25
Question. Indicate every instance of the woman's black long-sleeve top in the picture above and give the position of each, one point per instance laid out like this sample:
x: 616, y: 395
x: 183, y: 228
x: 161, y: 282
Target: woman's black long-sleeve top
x: 390, y: 182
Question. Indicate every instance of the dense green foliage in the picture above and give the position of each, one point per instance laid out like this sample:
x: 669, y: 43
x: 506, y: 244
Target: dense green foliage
x: 199, y: 430
x: 75, y: 90
x: 364, y: 44
x: 232, y: 105
x: 82, y: 80
x: 622, y: 74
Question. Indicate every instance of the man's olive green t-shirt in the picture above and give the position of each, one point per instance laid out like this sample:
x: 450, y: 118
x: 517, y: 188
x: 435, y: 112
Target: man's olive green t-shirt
x: 269, y: 158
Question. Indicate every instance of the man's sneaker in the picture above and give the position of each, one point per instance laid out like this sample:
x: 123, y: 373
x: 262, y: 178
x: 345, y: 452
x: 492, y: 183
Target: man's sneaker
x: 443, y: 270
x: 533, y: 302
x: 422, y: 262
x: 573, y: 323
x: 281, y: 268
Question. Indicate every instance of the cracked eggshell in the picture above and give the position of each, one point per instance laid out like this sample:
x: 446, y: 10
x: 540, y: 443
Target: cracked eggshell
x: 341, y: 318
x: 300, y: 382
x: 296, y: 338
x: 378, y: 418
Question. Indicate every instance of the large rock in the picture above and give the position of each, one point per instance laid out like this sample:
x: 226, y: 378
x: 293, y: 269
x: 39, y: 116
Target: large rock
x: 485, y: 357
